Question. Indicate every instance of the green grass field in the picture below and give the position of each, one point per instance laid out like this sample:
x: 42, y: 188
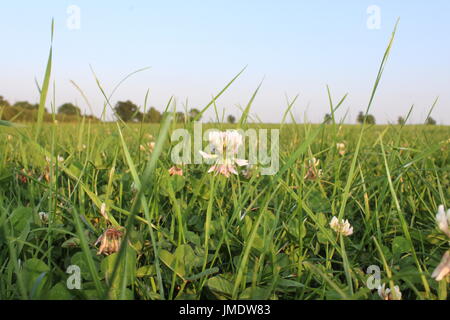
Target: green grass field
x: 203, y: 236
x: 89, y: 211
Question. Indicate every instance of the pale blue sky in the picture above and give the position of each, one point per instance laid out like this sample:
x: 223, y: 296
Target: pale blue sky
x: 195, y: 47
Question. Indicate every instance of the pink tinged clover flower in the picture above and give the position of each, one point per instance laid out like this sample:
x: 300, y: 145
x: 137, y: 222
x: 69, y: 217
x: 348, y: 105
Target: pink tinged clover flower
x: 176, y: 171
x: 443, y: 269
x: 443, y: 220
x: 110, y: 241
x: 313, y: 172
x: 225, y: 146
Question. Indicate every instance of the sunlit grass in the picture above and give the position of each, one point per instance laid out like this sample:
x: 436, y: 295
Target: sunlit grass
x: 283, y: 248
x: 203, y: 236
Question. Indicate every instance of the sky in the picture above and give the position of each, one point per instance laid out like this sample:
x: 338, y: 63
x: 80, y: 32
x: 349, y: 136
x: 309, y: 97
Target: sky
x: 193, y: 48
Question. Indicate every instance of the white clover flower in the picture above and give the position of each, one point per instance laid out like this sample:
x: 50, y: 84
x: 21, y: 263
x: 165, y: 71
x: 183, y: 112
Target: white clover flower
x: 225, y: 145
x: 148, y: 147
x: 43, y: 216
x: 443, y: 220
x: 386, y: 294
x: 58, y: 158
x: 341, y: 148
x: 342, y: 226
x: 443, y: 269
x: 313, y: 172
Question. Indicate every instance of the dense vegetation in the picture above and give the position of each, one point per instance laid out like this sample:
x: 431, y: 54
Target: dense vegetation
x: 205, y: 236
x: 106, y: 199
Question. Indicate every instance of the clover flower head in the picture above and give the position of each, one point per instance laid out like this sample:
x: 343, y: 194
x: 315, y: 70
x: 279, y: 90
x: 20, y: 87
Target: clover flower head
x: 43, y: 216
x: 109, y: 241
x: 148, y: 147
x: 386, y: 294
x: 443, y: 269
x: 443, y: 220
x: 176, y: 171
x: 313, y: 171
x: 341, y: 226
x: 341, y: 148
x: 225, y: 145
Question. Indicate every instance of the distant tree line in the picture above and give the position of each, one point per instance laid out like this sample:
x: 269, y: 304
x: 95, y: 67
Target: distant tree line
x: 129, y: 112
x: 125, y: 110
x: 367, y: 118
x: 24, y: 111
x: 370, y: 119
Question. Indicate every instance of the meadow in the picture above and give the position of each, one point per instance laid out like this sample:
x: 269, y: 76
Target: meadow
x: 205, y: 236
x: 97, y: 210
